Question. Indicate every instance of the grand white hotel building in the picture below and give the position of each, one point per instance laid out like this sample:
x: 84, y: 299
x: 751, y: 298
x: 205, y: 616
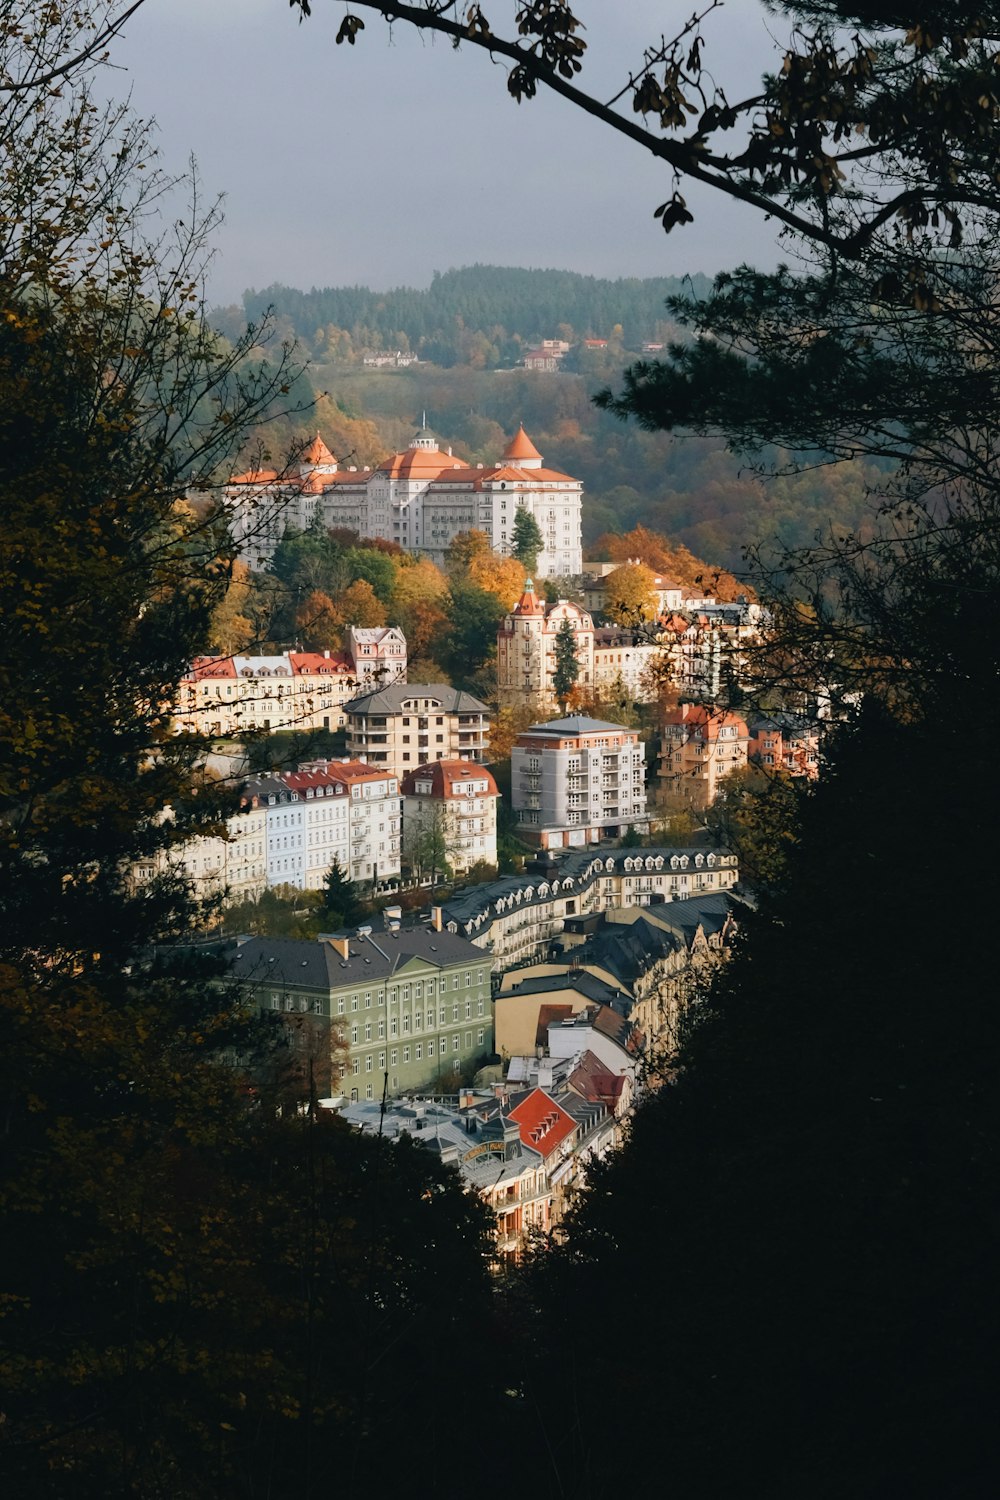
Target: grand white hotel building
x: 421, y: 498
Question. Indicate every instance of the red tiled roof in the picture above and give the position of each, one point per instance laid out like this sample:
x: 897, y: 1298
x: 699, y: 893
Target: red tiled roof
x: 318, y: 453
x: 542, y: 1122
x: 448, y: 778
x: 211, y: 666
x: 313, y: 662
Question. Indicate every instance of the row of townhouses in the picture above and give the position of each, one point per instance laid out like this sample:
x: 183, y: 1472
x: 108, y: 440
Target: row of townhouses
x: 226, y: 696
x: 293, y: 826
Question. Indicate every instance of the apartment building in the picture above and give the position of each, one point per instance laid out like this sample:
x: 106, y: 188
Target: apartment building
x: 517, y: 917
x: 225, y: 696
x: 787, y: 742
x: 577, y: 780
x: 233, y: 864
x: 449, y: 816
x: 406, y: 725
x: 700, y: 745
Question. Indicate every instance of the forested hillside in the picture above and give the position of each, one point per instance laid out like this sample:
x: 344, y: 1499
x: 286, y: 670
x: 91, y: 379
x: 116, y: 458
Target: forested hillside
x: 479, y: 314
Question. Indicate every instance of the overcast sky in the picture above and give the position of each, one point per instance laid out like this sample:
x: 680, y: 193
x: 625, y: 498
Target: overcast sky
x: 383, y: 162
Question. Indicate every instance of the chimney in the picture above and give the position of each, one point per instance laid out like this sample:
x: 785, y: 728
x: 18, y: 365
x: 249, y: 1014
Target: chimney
x: 437, y: 918
x: 342, y: 945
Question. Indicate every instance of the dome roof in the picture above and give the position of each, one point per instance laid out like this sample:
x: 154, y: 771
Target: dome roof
x: 529, y: 603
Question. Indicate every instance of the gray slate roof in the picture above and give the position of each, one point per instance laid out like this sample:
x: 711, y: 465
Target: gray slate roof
x: 467, y: 903
x: 317, y: 965
x: 579, y: 724
x: 390, y: 700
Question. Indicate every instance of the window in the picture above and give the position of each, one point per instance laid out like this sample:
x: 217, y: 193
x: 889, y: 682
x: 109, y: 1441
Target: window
x: 430, y: 1049
x: 468, y: 980
x: 454, y: 1013
x: 480, y: 1037
x: 368, y: 1031
x: 368, y: 1063
x: 393, y: 1026
x: 406, y: 1054
x: 354, y: 1002
x: 381, y: 1062
x: 381, y: 1028
x: 406, y: 1024
x: 368, y: 1091
x: 455, y: 1042
x: 468, y: 1010
x: 355, y: 1067
x: 454, y: 983
x: 419, y: 1050
x: 479, y: 1009
x: 354, y: 1034
x: 394, y: 1056
x: 275, y: 1002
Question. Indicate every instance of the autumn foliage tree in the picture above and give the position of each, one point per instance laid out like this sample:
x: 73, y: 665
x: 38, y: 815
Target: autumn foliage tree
x: 629, y: 595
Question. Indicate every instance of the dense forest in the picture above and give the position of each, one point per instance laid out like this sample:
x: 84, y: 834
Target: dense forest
x: 469, y: 329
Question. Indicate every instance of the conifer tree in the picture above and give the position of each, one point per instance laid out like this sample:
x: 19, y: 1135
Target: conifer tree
x: 527, y: 539
x: 566, y: 670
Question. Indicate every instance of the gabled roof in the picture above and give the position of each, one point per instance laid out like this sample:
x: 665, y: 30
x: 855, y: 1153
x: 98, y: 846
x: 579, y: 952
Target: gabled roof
x: 593, y: 1081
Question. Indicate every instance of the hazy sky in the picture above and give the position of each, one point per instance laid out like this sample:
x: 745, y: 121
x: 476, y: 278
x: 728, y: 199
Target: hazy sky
x: 385, y: 161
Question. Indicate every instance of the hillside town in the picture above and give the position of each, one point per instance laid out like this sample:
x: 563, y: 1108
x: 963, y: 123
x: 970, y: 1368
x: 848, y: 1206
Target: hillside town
x: 532, y: 929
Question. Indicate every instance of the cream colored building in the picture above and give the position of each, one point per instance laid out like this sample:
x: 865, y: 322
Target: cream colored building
x: 234, y: 865
x: 404, y: 726
x: 421, y: 498
x: 515, y: 917
x: 225, y: 696
x: 455, y: 801
x: 610, y: 659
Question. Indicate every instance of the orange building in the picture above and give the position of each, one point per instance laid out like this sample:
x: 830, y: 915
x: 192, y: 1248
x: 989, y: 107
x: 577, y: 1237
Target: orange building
x: 700, y: 744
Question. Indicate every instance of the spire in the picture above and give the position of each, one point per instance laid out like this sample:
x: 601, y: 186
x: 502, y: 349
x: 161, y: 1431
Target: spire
x: 522, y: 451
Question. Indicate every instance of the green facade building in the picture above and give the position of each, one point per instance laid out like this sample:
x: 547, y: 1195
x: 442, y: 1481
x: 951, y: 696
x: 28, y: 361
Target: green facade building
x: 412, y: 1004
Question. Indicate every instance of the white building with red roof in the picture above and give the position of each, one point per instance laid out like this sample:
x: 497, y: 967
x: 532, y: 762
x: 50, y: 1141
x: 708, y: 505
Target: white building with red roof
x: 454, y: 801
x: 421, y: 498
